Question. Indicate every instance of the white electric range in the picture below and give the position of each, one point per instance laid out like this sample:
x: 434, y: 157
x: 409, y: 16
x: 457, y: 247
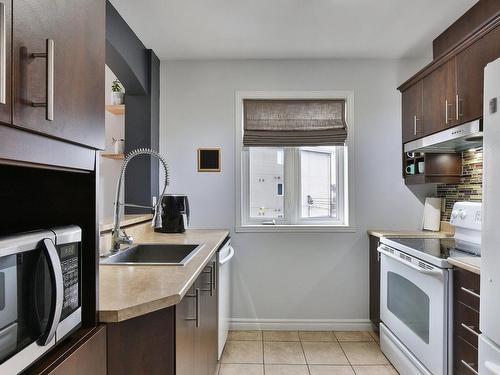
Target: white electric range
x: 416, y: 292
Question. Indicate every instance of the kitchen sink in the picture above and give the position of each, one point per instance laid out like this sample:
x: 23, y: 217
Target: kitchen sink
x: 150, y: 254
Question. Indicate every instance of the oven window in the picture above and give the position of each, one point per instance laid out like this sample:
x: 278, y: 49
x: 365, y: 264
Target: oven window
x: 409, y: 304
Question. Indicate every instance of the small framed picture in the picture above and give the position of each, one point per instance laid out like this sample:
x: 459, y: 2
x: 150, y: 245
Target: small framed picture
x: 209, y: 160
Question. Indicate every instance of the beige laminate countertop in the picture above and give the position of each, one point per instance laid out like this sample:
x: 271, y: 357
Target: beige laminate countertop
x: 126, y: 292
x: 472, y: 264
x: 106, y: 224
x: 408, y: 233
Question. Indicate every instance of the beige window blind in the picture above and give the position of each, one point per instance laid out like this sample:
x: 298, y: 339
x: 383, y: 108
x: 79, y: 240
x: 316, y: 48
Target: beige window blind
x: 292, y: 123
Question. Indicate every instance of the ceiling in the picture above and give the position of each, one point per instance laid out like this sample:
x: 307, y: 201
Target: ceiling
x: 290, y: 29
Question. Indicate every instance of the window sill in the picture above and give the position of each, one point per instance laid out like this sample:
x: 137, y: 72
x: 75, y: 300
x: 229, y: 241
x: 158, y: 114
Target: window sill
x: 295, y: 228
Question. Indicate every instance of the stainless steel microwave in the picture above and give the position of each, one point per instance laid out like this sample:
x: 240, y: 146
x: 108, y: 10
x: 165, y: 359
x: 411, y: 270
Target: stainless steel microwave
x: 40, y: 293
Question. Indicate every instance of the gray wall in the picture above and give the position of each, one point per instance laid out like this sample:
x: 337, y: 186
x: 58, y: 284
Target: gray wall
x: 138, y: 69
x: 291, y: 279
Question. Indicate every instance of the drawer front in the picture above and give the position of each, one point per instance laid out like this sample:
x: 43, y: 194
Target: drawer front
x: 465, y: 358
x: 466, y: 288
x: 466, y: 323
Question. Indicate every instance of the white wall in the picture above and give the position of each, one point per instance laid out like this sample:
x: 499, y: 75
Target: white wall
x: 110, y: 168
x: 314, y: 277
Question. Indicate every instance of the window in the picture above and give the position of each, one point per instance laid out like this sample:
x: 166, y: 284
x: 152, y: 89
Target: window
x: 292, y: 187
x: 303, y: 186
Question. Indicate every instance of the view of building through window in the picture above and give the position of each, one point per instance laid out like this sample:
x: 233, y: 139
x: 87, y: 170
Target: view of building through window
x: 317, y: 179
x: 266, y: 182
x: 317, y: 195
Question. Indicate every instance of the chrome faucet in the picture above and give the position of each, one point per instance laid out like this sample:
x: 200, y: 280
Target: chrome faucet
x: 119, y: 236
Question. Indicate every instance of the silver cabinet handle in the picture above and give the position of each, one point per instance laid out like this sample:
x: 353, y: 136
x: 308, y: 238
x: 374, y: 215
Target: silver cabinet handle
x: 214, y: 279
x: 469, y: 367
x: 58, y: 291
x: 470, y: 329
x: 446, y: 111
x: 457, y: 104
x: 471, y: 292
x: 49, y: 89
x: 3, y: 55
x: 211, y: 282
x: 415, y: 125
x: 197, y: 305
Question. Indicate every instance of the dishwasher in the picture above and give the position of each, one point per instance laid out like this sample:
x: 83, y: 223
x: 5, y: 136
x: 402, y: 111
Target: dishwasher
x: 225, y: 254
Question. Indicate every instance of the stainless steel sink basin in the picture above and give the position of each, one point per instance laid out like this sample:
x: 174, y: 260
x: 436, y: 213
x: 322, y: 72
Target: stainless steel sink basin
x: 150, y: 254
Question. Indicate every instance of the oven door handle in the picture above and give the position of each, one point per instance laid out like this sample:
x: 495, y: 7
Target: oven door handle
x: 57, y: 291
x: 433, y: 271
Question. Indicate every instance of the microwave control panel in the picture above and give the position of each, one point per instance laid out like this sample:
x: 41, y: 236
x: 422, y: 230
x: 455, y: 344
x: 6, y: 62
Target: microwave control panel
x: 70, y: 265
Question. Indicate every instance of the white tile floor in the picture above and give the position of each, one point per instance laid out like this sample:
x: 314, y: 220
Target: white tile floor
x: 303, y: 353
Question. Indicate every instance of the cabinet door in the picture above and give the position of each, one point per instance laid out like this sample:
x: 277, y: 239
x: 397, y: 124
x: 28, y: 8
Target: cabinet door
x: 374, y: 282
x: 212, y: 321
x: 201, y: 332
x: 470, y: 75
x: 71, y: 79
x: 89, y: 358
x: 207, y: 333
x: 412, y: 112
x: 5, y: 61
x: 185, y: 322
x: 439, y: 98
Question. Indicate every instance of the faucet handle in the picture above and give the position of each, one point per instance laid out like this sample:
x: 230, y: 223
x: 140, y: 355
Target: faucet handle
x: 157, y: 222
x: 127, y: 239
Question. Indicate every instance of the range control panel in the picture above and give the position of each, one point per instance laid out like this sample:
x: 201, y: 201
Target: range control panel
x: 466, y: 215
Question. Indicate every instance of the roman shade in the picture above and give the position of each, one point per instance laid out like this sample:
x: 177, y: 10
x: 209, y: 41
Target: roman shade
x: 292, y: 123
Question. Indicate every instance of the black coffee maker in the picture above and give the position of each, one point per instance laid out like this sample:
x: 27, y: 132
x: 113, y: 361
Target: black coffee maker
x: 174, y: 214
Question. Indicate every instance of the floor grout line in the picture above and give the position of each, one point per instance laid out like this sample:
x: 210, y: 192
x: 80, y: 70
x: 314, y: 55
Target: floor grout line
x: 305, y: 357
x: 307, y: 364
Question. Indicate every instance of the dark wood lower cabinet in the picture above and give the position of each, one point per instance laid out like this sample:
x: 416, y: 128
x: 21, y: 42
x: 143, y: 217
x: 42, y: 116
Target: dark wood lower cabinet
x: 89, y: 358
x: 466, y: 321
x: 374, y: 282
x: 181, y: 339
x: 83, y: 353
x: 197, y: 331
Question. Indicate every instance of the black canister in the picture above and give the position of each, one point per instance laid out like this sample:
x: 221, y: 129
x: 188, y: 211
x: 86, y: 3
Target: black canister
x: 174, y: 213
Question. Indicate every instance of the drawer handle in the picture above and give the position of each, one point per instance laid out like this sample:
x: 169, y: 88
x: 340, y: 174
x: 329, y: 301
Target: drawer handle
x: 469, y: 291
x: 470, y: 329
x: 469, y: 367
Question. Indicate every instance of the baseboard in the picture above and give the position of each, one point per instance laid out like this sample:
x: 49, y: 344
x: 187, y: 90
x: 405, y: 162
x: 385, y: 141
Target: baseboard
x: 302, y: 324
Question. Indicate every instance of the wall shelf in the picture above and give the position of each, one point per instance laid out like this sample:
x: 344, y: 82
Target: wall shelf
x: 443, y: 168
x: 111, y: 155
x: 118, y: 109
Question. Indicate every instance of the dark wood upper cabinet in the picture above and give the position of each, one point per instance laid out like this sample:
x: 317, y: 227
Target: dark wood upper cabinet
x: 6, y: 61
x: 75, y: 30
x: 470, y: 75
x: 439, y: 98
x: 412, y: 112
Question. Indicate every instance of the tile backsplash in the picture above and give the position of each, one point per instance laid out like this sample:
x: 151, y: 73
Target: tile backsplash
x: 470, y: 187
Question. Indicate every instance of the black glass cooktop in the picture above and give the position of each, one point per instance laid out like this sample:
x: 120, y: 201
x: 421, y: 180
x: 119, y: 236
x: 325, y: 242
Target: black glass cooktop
x: 440, y: 247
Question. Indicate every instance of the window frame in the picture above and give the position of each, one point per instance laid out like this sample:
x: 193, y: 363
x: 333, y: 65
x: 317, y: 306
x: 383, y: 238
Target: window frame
x: 292, y: 222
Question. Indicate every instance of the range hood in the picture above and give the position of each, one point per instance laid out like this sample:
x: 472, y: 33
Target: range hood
x: 458, y: 138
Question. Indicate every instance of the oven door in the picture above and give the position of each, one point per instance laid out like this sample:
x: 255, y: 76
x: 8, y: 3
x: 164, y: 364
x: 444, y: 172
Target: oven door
x: 31, y: 293
x: 414, y: 306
